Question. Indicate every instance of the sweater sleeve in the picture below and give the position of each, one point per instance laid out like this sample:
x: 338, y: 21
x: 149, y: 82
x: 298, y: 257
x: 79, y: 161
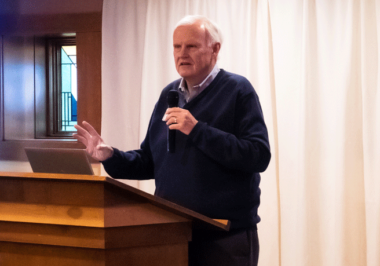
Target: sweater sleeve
x: 136, y: 164
x: 247, y: 149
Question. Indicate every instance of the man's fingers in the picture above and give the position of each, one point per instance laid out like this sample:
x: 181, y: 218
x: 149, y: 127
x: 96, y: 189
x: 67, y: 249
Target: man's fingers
x: 174, y: 126
x: 173, y: 109
x: 90, y: 129
x: 80, y: 139
x: 172, y: 112
x: 82, y: 132
x: 172, y: 120
x: 86, y: 130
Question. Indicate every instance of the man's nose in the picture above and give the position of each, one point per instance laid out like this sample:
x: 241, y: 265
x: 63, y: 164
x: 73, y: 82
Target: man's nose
x: 183, y: 51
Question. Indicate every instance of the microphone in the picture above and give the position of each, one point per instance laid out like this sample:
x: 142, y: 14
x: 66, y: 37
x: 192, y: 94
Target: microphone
x: 172, y: 102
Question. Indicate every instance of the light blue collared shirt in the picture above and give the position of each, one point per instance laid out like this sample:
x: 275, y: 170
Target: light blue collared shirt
x: 191, y: 93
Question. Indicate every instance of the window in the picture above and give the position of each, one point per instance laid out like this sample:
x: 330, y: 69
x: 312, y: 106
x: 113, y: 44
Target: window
x: 69, y: 92
x: 62, y: 87
x: 27, y: 76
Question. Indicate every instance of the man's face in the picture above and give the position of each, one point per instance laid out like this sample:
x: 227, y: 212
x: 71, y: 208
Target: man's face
x: 194, y: 57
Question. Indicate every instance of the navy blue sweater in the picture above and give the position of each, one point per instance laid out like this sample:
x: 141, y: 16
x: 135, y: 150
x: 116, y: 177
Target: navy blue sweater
x: 215, y: 169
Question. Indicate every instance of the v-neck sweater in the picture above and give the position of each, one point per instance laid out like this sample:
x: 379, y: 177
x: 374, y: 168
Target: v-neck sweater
x: 215, y: 169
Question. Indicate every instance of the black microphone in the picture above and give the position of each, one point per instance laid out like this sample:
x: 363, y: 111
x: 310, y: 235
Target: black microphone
x: 172, y: 102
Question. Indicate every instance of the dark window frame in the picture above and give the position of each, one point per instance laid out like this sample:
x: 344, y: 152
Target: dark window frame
x: 53, y: 54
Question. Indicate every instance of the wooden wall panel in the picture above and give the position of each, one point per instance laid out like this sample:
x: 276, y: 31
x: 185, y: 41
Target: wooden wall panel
x: 89, y: 77
x: 18, y: 65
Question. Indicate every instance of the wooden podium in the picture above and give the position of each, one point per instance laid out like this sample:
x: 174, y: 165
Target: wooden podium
x: 56, y: 220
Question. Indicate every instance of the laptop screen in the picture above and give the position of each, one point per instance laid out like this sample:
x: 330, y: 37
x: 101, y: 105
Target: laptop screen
x: 59, y: 161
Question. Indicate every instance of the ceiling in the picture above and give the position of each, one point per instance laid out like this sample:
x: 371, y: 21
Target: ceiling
x: 49, y: 7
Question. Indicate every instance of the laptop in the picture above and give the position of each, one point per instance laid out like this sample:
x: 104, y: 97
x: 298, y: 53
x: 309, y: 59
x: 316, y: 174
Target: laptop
x: 59, y: 161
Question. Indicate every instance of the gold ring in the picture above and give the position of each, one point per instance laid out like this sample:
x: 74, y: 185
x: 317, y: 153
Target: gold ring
x: 175, y: 120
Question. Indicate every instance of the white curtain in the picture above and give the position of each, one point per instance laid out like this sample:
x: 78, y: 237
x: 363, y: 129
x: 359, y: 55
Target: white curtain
x: 315, y: 67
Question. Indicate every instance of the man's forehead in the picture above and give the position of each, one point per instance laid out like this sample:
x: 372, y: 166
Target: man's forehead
x: 190, y: 32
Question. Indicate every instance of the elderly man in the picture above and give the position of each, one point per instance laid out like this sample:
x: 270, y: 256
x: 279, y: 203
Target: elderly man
x: 221, y: 146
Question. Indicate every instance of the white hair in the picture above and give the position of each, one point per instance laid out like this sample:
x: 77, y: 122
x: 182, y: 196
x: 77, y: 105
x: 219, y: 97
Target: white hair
x: 210, y: 26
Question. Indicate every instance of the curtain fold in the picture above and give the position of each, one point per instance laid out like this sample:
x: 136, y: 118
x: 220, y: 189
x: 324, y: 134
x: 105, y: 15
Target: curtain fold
x: 315, y: 67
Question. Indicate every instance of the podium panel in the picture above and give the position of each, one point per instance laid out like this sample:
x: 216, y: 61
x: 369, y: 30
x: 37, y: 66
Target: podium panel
x: 16, y: 254
x: 56, y: 219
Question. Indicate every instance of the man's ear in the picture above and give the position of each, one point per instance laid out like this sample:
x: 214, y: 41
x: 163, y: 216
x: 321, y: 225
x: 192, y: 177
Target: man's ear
x: 216, y: 48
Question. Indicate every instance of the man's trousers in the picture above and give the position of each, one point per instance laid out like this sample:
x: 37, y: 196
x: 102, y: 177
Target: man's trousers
x: 217, y: 248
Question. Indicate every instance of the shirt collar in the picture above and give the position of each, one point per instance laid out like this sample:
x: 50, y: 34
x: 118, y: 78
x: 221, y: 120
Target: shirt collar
x: 201, y: 86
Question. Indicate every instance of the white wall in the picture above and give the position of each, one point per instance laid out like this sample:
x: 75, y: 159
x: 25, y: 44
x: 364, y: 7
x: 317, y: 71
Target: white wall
x: 13, y: 166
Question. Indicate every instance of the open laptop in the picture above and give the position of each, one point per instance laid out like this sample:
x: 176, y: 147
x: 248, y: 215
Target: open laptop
x: 60, y: 161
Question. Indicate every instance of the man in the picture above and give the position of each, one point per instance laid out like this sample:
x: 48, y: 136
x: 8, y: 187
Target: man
x: 221, y: 146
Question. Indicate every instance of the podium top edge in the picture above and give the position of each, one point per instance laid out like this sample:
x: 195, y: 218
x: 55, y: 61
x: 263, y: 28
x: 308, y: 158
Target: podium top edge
x: 204, y: 221
x: 52, y: 176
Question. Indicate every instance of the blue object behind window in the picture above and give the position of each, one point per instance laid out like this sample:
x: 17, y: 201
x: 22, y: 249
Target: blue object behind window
x: 68, y: 88
x: 73, y: 109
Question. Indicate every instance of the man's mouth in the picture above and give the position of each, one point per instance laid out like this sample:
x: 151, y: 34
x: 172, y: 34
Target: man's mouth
x: 184, y: 64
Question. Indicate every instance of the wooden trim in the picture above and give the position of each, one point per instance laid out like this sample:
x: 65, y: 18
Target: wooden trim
x: 225, y: 222
x: 16, y: 24
x: 50, y: 176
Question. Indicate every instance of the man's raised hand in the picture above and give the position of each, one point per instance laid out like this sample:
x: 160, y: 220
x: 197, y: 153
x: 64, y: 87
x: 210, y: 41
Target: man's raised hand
x: 94, y: 143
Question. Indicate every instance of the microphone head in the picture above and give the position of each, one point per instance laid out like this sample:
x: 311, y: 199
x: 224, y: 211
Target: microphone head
x: 173, y: 98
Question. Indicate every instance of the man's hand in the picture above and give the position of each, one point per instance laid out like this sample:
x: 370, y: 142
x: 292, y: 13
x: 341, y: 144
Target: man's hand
x: 94, y: 143
x: 180, y: 119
